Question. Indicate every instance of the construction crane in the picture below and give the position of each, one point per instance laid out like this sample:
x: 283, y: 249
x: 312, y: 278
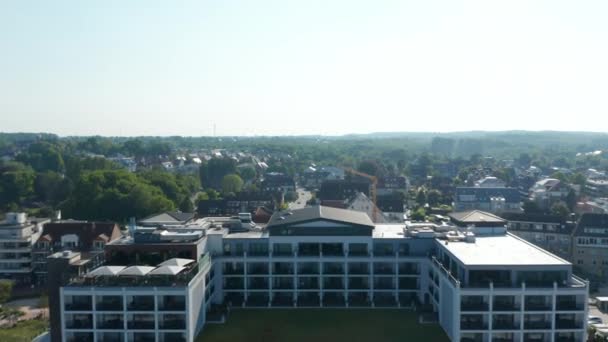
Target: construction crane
x: 372, y: 188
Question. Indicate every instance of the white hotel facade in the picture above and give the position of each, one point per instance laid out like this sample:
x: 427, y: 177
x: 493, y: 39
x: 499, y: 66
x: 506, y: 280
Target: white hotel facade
x: 483, y: 283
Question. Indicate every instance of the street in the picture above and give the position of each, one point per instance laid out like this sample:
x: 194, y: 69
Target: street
x: 303, y: 197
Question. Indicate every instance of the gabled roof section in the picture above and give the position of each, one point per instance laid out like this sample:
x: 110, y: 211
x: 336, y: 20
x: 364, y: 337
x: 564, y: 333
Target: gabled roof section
x: 476, y: 217
x: 597, y: 221
x: 87, y: 232
x: 485, y: 194
x: 319, y: 213
x: 171, y: 217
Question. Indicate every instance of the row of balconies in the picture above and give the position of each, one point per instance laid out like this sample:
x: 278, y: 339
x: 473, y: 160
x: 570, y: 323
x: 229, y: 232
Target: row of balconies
x: 134, y: 322
x: 332, y: 299
x: 311, y: 283
x: 285, y: 268
x: 133, y: 303
x: 531, y: 303
x: 312, y: 249
x: 527, y: 337
x: 78, y: 336
x: 508, y: 322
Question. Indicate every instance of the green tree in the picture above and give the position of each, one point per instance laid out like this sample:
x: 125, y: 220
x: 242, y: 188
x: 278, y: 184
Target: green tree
x: 16, y: 185
x: 419, y: 215
x: 433, y: 197
x: 43, y: 156
x: 560, y: 209
x: 370, y: 167
x: 421, y: 197
x: 531, y: 208
x: 213, y: 171
x: 51, y: 187
x: 247, y: 173
x: 232, y: 183
x: 6, y: 289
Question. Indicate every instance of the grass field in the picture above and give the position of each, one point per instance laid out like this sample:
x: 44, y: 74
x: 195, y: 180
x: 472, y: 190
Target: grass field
x: 24, y: 331
x: 313, y: 325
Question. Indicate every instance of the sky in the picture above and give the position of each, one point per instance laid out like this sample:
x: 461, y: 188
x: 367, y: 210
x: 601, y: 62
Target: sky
x: 287, y: 67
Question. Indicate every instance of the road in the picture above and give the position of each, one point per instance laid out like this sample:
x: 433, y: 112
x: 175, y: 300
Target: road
x: 303, y: 197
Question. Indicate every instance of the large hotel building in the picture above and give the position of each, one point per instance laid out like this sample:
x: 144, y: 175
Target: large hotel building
x: 160, y: 284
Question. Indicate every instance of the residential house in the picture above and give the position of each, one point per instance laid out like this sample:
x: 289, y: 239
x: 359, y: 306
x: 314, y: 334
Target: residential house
x: 343, y: 189
x: 87, y: 238
x: 494, y: 200
x: 549, y: 232
x: 277, y: 182
x: 490, y: 182
x: 547, y: 192
x: 390, y: 184
x: 590, y: 245
x: 242, y: 202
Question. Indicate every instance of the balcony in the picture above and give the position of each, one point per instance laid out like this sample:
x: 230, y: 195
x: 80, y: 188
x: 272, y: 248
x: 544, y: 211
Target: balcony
x: 79, y: 306
x: 172, y: 303
x: 358, y: 284
x: 283, y: 268
x: 141, y: 324
x: 173, y: 324
x: 473, y: 306
x: 361, y: 268
x: 308, y: 283
x: 334, y: 283
x: 505, y: 325
x: 172, y: 337
x: 257, y: 269
x: 282, y: 284
x: 109, y: 303
x: 308, y: 268
x: 408, y: 269
x: 141, y: 303
x: 79, y: 324
x: 229, y: 269
x: 569, y: 306
x: 537, y: 325
x: 384, y: 269
x: 473, y: 325
x: 333, y: 268
x: 384, y: 284
x: 234, y: 284
x: 112, y: 322
x: 258, y: 284
x: 505, y: 305
x: 568, y: 324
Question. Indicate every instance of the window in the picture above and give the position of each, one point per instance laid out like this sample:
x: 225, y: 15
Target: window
x: 579, y: 262
x: 99, y: 245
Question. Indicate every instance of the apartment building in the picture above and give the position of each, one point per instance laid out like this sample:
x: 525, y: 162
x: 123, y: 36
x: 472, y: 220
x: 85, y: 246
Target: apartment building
x: 483, y: 283
x: 87, y: 238
x: 550, y: 232
x: 590, y: 245
x: 494, y: 200
x: 17, y: 235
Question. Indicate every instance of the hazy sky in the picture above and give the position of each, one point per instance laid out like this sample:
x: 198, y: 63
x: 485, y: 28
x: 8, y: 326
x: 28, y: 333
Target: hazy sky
x: 261, y: 67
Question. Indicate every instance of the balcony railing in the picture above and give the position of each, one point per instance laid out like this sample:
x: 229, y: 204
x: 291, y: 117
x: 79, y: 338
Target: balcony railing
x: 140, y: 325
x: 111, y: 324
x: 173, y: 324
x: 78, y: 306
x: 473, y: 326
x: 568, y: 324
x: 537, y: 325
x: 538, y: 306
x: 109, y: 306
x: 474, y: 306
x: 570, y: 306
x: 504, y: 325
x: 141, y: 306
x: 79, y: 324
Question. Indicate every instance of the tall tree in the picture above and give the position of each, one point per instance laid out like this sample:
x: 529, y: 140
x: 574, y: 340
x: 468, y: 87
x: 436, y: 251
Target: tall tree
x: 232, y: 183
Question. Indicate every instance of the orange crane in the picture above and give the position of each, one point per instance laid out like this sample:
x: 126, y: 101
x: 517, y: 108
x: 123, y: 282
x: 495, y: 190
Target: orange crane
x: 372, y: 188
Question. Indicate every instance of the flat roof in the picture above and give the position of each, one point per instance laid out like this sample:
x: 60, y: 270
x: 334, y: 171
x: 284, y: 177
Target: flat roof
x: 389, y: 231
x: 503, y: 250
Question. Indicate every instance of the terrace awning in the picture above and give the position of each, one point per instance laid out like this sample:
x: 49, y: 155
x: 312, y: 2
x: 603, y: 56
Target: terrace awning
x: 136, y: 271
x: 106, y: 271
x: 167, y: 270
x: 176, y: 262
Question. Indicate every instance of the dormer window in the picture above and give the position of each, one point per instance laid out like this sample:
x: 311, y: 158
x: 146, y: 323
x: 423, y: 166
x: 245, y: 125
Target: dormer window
x: 99, y: 245
x: 69, y: 241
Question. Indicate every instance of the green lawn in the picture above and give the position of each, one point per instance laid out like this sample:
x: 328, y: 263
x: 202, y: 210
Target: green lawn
x: 24, y: 331
x: 316, y: 325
